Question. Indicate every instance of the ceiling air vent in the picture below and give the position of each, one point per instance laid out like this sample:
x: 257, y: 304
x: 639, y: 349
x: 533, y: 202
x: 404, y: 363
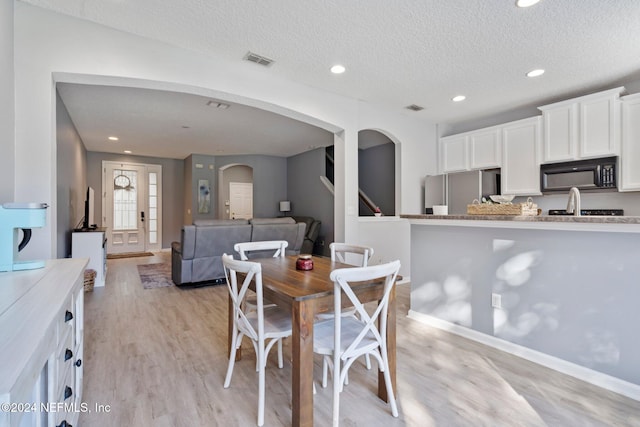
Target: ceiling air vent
x: 258, y: 59
x: 414, y: 107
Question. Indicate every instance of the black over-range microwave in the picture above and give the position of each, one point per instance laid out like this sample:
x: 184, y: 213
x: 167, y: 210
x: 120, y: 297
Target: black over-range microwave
x: 592, y: 174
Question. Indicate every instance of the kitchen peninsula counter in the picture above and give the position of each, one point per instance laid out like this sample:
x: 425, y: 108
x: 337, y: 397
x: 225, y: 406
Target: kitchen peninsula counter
x: 624, y: 224
x: 558, y: 290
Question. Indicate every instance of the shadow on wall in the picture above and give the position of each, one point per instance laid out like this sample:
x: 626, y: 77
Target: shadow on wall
x: 531, y: 314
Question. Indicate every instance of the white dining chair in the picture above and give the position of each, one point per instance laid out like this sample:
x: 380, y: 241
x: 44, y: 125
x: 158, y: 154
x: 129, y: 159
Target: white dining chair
x: 345, y: 339
x: 346, y: 254
x: 260, y: 249
x: 264, y: 328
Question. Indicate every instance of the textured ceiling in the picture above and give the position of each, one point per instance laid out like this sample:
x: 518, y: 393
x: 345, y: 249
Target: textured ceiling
x: 408, y: 52
x: 174, y: 125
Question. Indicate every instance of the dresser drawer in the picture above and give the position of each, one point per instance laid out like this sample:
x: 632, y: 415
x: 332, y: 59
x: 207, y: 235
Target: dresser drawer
x: 64, y: 361
x: 66, y: 318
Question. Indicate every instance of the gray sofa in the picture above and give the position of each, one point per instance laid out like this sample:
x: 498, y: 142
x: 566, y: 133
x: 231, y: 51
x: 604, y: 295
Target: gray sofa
x: 311, y: 233
x: 198, y: 256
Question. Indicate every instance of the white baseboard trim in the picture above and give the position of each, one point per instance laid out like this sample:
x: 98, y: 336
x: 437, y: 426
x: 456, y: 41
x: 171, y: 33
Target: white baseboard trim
x: 405, y: 280
x: 590, y: 376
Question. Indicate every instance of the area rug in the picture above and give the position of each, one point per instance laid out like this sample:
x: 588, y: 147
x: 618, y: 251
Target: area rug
x: 128, y: 255
x: 155, y: 275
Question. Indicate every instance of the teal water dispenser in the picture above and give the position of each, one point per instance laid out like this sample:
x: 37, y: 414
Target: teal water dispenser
x: 13, y: 218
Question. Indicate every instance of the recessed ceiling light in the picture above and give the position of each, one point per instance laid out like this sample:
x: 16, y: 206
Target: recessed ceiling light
x: 458, y: 98
x: 127, y: 151
x: 338, y: 69
x: 113, y: 138
x: 535, y: 73
x: 526, y: 3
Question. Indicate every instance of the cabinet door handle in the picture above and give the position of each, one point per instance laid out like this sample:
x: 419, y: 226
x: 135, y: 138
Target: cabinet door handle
x: 68, y: 316
x: 68, y: 392
x: 64, y: 423
x: 79, y: 363
x: 68, y: 354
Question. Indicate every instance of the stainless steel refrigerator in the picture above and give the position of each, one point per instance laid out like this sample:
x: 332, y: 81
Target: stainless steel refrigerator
x: 457, y: 190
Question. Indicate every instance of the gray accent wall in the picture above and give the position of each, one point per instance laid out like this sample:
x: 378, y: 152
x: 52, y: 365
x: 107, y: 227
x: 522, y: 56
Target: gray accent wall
x: 172, y: 189
x: 269, y: 181
x: 377, y: 177
x: 570, y: 294
x: 202, y: 167
x: 188, y: 190
x: 71, y: 181
x: 307, y: 194
x: 7, y: 104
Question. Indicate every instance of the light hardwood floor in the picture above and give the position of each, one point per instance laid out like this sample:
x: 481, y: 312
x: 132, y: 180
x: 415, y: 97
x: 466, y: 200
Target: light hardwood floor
x: 157, y: 357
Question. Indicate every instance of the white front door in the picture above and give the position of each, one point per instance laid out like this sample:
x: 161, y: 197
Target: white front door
x: 240, y: 200
x: 131, y: 207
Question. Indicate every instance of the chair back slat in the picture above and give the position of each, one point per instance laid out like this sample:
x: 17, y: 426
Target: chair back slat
x: 245, y: 248
x: 342, y: 279
x: 340, y: 252
x: 253, y: 272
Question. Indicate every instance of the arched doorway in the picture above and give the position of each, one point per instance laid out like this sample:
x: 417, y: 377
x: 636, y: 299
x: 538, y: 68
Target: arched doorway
x: 235, y: 191
x: 377, y: 171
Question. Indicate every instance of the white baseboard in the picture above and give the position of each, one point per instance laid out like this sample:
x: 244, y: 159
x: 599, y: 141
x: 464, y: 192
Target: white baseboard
x: 590, y: 376
x: 405, y: 281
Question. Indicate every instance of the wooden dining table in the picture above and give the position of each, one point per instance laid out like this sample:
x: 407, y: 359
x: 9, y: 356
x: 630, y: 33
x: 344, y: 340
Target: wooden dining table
x: 304, y: 294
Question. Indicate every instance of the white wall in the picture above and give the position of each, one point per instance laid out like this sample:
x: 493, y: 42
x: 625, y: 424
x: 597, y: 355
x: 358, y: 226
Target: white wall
x: 390, y: 238
x: 7, y: 139
x: 51, y: 47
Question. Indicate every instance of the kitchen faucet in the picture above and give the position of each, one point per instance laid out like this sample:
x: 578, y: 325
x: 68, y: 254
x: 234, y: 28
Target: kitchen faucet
x: 573, y: 205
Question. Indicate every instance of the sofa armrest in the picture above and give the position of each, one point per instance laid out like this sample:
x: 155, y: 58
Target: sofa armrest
x: 188, y: 241
x: 314, y: 230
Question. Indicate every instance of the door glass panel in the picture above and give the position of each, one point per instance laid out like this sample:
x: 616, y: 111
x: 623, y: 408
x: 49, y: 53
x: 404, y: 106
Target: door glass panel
x: 125, y: 199
x: 153, y: 208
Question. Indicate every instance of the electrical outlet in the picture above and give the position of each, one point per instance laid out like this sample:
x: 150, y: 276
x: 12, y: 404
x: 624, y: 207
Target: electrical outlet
x: 496, y: 300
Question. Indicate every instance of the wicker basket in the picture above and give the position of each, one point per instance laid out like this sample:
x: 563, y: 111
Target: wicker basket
x: 527, y: 209
x: 89, y: 280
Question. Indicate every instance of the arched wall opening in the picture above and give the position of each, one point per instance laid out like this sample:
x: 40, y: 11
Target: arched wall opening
x: 222, y: 185
x: 378, y: 172
x: 237, y: 173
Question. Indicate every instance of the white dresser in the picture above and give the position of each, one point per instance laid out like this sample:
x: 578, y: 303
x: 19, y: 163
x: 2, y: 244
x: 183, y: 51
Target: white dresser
x: 91, y: 244
x: 41, y: 344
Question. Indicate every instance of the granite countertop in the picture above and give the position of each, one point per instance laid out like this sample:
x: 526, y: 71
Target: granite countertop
x: 534, y: 219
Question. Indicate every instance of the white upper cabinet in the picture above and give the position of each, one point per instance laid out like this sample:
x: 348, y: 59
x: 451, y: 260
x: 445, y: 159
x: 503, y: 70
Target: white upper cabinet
x: 453, y: 153
x: 479, y: 149
x: 485, y: 150
x: 630, y: 153
x: 582, y: 127
x: 521, y: 157
x: 560, y: 133
x: 599, y: 124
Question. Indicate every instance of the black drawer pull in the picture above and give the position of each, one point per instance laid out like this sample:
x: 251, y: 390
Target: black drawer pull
x: 68, y: 316
x: 79, y: 363
x: 68, y: 392
x: 68, y: 354
x: 64, y: 423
